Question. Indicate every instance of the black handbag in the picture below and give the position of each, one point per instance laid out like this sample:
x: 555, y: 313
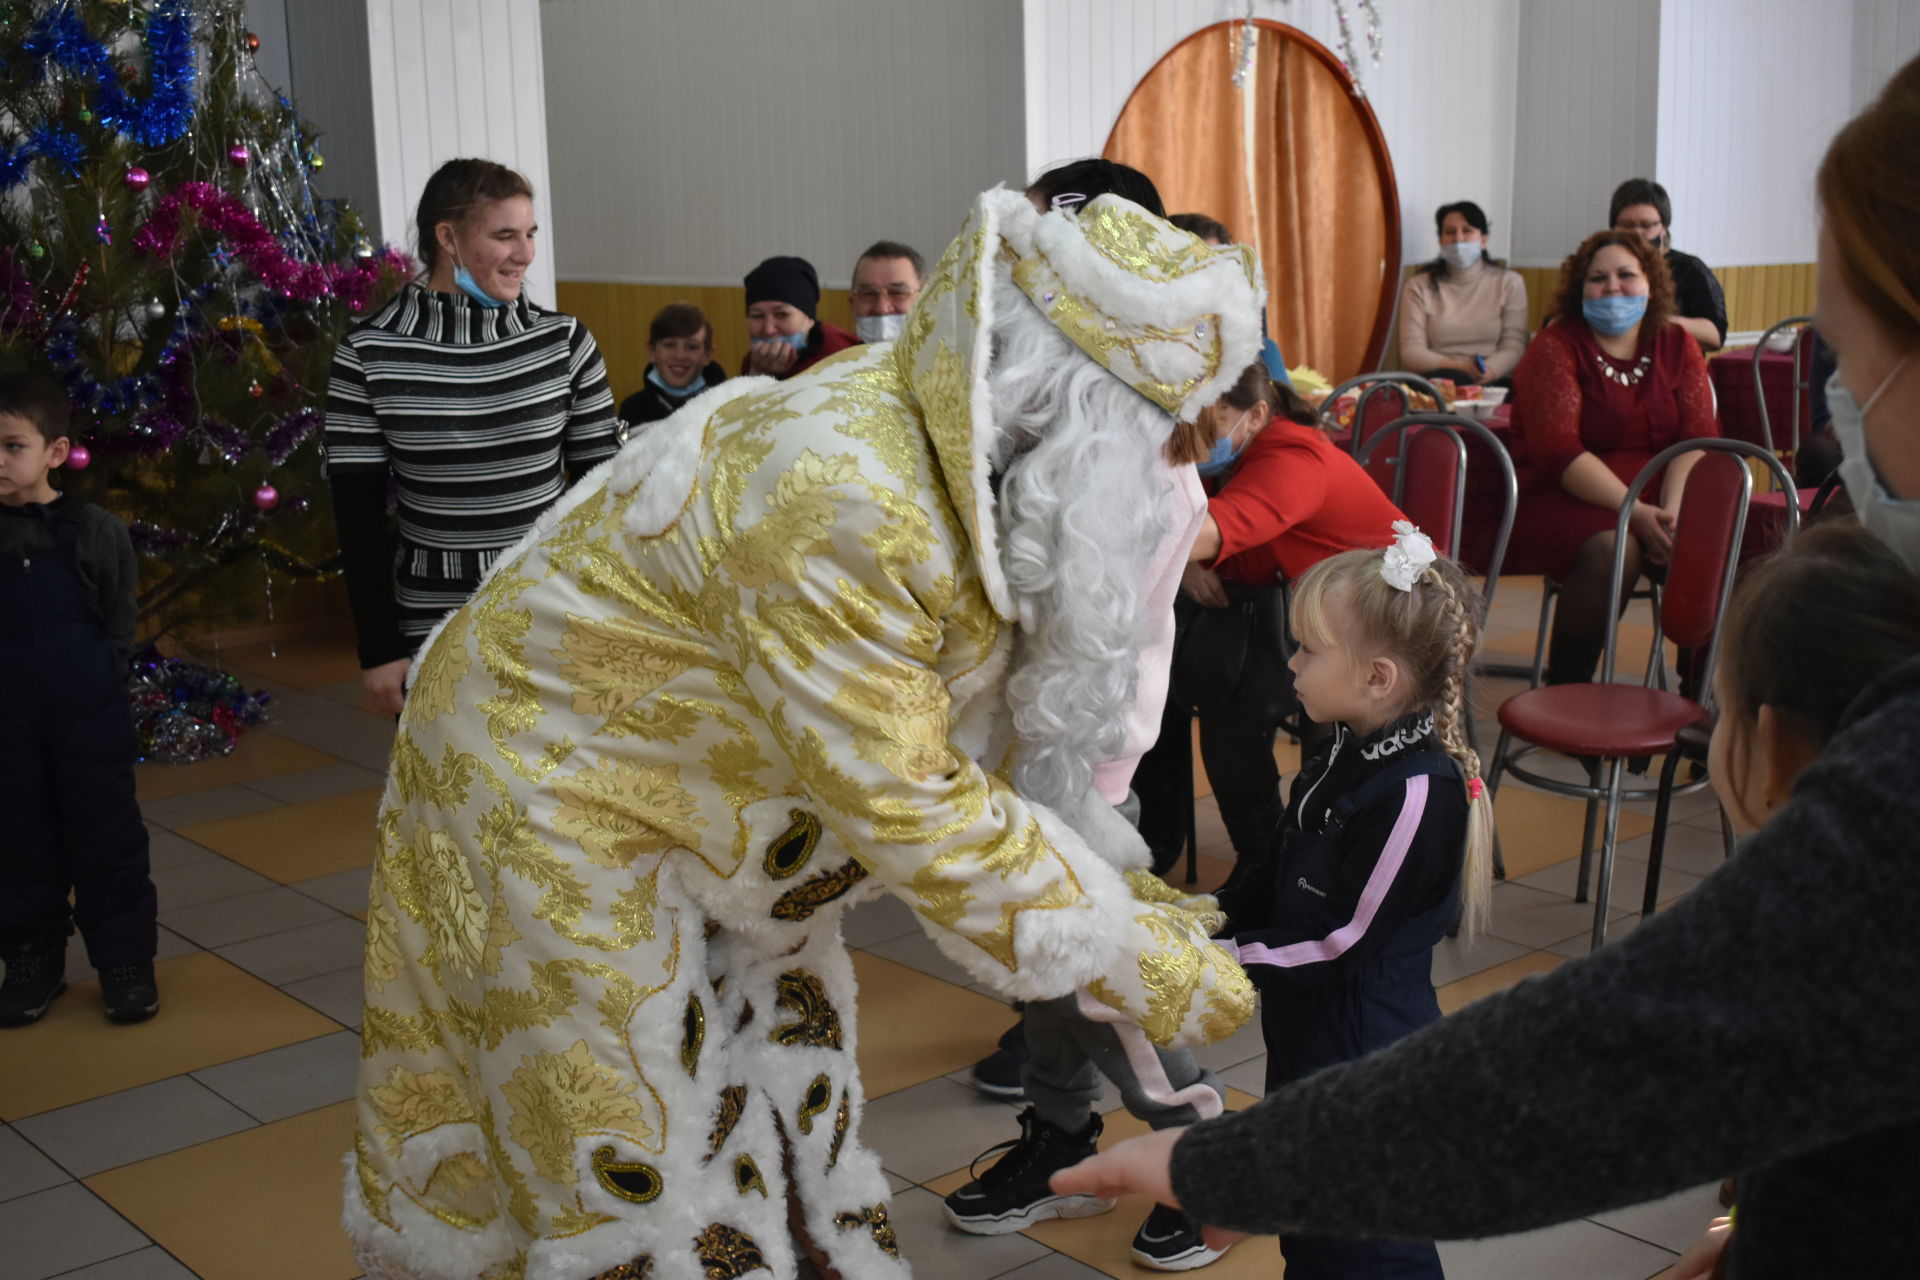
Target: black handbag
x: 1235, y: 658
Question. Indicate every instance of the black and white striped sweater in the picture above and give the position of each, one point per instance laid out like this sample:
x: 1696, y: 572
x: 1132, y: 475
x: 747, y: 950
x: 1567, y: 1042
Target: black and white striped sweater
x: 479, y: 417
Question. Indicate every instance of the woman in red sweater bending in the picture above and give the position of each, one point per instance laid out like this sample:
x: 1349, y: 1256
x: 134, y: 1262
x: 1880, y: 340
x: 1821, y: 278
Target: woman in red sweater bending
x: 1283, y: 498
x: 1609, y: 384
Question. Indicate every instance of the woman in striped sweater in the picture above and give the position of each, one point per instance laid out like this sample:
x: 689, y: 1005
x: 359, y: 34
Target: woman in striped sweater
x: 470, y: 404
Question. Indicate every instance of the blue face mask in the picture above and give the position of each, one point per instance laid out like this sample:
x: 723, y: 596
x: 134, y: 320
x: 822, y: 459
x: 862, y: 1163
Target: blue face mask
x: 798, y: 341
x: 693, y: 388
x: 464, y: 280
x: 1615, y: 314
x: 1225, y: 453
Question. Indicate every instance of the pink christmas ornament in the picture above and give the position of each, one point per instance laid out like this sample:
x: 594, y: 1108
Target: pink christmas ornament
x: 266, y: 497
x: 138, y: 178
x: 239, y: 155
x: 78, y: 457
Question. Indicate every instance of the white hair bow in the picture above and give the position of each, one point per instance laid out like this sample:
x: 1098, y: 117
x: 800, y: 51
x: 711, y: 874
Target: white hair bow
x: 1412, y: 551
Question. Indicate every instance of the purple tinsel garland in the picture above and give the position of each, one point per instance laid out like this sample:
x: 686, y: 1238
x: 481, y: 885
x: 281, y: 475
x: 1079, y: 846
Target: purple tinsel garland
x: 235, y: 224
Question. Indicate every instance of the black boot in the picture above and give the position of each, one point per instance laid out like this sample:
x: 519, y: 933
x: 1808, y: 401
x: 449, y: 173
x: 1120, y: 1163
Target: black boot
x: 35, y: 975
x: 129, y: 992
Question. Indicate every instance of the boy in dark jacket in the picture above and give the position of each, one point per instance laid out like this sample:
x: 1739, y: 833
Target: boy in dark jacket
x: 67, y: 746
x: 680, y: 364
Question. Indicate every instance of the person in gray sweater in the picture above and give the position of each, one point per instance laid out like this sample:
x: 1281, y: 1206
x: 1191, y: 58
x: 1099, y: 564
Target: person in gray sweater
x: 1767, y: 1026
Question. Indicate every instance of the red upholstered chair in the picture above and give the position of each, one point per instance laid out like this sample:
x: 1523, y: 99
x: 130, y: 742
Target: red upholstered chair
x: 1420, y: 461
x: 1379, y: 399
x: 1784, y: 438
x: 1607, y: 723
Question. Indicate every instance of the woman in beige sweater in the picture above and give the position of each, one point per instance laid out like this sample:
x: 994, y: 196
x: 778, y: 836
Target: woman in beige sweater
x: 1462, y: 317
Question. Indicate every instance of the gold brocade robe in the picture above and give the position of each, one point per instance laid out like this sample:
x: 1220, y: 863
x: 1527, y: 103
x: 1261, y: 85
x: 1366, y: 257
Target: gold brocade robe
x: 747, y: 672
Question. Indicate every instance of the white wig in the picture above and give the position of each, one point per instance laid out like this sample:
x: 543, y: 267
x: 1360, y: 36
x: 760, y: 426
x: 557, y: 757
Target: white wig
x: 1082, y: 505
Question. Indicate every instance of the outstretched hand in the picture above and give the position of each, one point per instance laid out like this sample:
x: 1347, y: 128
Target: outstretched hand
x: 1141, y: 1165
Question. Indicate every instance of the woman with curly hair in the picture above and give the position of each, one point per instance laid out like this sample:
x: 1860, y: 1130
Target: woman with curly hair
x: 1603, y: 388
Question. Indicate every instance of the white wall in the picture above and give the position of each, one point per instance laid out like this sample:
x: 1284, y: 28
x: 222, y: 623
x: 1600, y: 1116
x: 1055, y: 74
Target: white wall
x: 692, y: 140
x: 1886, y: 36
x: 1588, y: 80
x: 452, y: 78
x: 1751, y: 93
x: 1444, y: 91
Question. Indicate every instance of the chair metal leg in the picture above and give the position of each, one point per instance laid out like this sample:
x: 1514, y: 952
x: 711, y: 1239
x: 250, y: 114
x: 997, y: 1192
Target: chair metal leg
x: 1657, y: 850
x: 1548, y: 589
x: 1726, y: 832
x: 1604, y: 891
x: 1493, y: 792
x: 1586, y: 835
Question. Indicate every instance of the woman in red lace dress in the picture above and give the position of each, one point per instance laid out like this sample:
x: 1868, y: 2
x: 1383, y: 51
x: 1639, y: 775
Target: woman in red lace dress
x: 1606, y: 386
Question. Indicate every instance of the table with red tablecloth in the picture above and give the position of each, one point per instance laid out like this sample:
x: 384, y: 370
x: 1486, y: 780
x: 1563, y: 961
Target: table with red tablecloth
x: 1732, y: 376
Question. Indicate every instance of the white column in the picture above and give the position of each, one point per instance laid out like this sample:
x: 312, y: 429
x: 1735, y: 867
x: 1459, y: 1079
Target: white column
x: 455, y: 78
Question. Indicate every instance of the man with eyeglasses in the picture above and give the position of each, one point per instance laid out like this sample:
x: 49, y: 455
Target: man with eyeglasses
x: 1641, y: 204
x: 886, y: 281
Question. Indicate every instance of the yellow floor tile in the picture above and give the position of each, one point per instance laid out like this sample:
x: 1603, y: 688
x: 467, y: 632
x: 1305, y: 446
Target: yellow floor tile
x: 1538, y: 829
x: 210, y: 1012
x: 264, y: 1202
x: 259, y: 753
x: 1104, y: 1243
x: 1456, y: 995
x: 298, y: 841
x: 914, y: 1027
x: 304, y: 664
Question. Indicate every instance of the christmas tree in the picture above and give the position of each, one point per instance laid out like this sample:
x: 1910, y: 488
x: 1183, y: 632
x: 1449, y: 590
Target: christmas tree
x: 162, y: 250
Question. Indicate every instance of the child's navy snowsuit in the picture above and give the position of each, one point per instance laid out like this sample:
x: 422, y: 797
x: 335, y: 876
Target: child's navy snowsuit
x: 67, y: 751
x: 1363, y: 882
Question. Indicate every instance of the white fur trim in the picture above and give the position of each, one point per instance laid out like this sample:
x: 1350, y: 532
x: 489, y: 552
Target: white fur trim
x: 425, y: 1248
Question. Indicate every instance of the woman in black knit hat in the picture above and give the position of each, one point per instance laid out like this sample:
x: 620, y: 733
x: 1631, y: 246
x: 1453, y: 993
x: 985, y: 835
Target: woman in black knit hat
x: 783, y: 299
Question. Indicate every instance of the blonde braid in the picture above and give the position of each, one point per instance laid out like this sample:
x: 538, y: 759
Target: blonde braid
x: 1450, y: 719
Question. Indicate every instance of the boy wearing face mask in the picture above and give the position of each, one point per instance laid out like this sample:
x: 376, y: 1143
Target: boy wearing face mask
x: 783, y: 299
x: 680, y: 364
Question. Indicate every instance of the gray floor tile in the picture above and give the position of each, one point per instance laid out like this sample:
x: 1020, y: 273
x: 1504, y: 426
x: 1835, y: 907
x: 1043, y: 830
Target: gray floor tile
x: 366, y: 743
x: 339, y: 995
x: 211, y: 805
x: 938, y: 1252
x: 166, y: 850
x: 1454, y: 959
x: 201, y: 882
x: 1696, y: 849
x: 318, y: 784
x: 285, y: 1082
x: 1672, y: 1223
x: 1618, y: 928
x: 170, y: 945
x: 1571, y: 1249
x: 876, y: 921
x: 1629, y: 877
x: 918, y: 951
x: 1055, y: 1266
x: 237, y: 917
x: 1248, y: 1077
x: 934, y: 1127
x: 144, y: 1264
x: 105, y: 1133
x: 343, y: 891
x: 1243, y: 1044
x: 52, y: 1232
x: 981, y: 988
x: 306, y: 952
x: 24, y: 1168
x: 1536, y: 918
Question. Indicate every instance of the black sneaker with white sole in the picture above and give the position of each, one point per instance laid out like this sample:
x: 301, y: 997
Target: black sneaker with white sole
x: 1013, y: 1193
x: 129, y: 992
x: 35, y: 975
x: 1170, y: 1241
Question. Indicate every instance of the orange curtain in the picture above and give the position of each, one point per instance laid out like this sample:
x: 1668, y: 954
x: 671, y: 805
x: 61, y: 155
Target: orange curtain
x: 1297, y: 176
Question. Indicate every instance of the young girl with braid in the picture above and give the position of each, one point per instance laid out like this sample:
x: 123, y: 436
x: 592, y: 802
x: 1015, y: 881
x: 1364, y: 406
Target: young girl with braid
x: 1385, y: 844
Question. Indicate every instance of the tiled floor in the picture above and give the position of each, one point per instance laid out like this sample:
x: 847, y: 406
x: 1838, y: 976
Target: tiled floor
x: 207, y: 1142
